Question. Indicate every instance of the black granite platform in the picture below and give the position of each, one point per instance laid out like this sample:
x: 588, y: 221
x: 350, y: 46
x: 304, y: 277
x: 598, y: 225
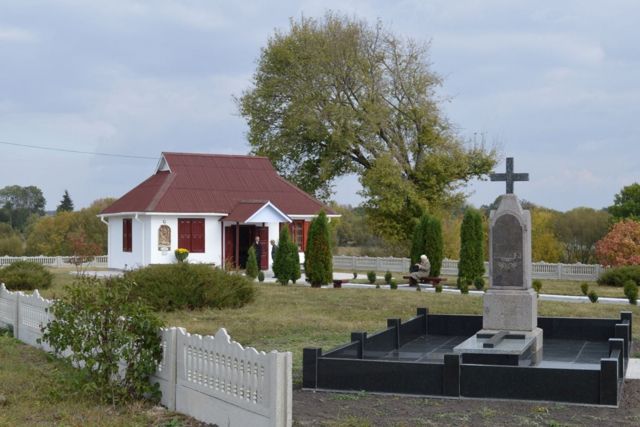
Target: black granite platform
x: 582, y: 361
x: 556, y: 352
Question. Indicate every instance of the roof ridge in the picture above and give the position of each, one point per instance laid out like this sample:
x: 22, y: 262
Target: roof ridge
x: 161, y: 191
x: 307, y: 195
x: 215, y: 155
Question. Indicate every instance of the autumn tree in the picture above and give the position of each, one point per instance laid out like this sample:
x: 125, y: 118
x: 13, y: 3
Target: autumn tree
x: 66, y: 204
x: 544, y: 244
x: 621, y: 246
x: 337, y: 95
x: 578, y: 230
x: 318, y: 258
x: 626, y: 204
x: 18, y: 203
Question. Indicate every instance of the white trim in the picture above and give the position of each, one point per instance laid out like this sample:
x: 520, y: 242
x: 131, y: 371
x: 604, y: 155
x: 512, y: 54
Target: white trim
x: 248, y: 220
x: 310, y: 217
x: 163, y: 165
x: 162, y: 214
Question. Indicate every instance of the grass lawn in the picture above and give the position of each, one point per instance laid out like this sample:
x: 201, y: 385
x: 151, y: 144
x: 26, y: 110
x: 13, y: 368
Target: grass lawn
x: 33, y: 393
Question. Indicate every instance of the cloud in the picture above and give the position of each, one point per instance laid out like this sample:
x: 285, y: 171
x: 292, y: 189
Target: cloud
x: 16, y: 35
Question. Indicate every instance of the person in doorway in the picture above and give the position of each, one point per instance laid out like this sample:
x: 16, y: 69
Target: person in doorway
x: 420, y: 271
x: 258, y: 249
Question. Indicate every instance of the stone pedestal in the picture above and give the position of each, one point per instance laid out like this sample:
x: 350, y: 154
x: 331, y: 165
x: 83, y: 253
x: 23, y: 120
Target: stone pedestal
x: 510, y: 310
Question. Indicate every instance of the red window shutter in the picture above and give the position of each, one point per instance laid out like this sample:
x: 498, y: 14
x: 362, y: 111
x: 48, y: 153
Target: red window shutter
x: 228, y: 246
x: 184, y: 234
x: 197, y: 235
x: 127, y: 235
x: 304, y: 235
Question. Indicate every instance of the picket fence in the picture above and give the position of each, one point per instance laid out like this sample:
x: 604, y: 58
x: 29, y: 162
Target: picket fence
x: 52, y: 261
x: 539, y: 270
x: 210, y: 378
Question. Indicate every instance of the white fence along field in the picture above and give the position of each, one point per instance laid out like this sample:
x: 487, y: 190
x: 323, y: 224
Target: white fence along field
x: 539, y: 270
x: 210, y: 378
x: 52, y: 261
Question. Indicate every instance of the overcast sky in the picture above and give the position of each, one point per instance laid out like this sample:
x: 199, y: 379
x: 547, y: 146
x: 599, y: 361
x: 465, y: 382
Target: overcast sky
x: 557, y: 83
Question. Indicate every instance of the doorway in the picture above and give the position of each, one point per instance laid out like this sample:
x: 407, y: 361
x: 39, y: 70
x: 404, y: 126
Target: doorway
x: 238, y: 255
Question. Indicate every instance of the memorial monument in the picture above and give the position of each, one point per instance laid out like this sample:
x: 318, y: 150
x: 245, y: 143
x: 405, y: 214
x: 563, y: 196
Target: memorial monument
x: 509, y: 332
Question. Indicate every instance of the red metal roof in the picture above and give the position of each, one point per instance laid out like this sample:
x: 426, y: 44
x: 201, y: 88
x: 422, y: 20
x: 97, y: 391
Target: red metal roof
x: 214, y: 183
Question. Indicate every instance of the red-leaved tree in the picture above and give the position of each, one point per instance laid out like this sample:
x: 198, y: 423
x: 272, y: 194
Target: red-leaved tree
x: 621, y: 246
x: 82, y: 252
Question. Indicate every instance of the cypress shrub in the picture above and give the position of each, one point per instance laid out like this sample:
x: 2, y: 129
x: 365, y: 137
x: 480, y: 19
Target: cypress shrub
x: 387, y: 277
x: 438, y: 288
x: 252, y: 264
x: 631, y: 291
x: 418, y: 243
x: 584, y: 288
x: 471, y: 265
x: 371, y: 276
x: 318, y: 256
x: 287, y: 262
x: 261, y: 276
x: 25, y: 276
x: 593, y: 297
x: 434, y: 245
x: 393, y: 284
x: 537, y: 285
x: 478, y: 282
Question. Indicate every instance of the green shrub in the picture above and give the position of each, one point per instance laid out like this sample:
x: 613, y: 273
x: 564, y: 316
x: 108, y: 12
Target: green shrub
x: 261, y: 276
x: 25, y: 276
x: 631, y: 291
x: 478, y: 282
x: 181, y: 254
x: 393, y: 284
x: 103, y: 325
x: 371, y: 276
x: 318, y: 256
x: 189, y: 286
x: 11, y: 246
x: 438, y: 288
x: 464, y: 288
x: 418, y: 288
x: 355, y: 275
x: 387, y: 277
x: 252, y: 264
x: 434, y: 246
x: 377, y: 285
x: 418, y: 241
x: 593, y: 297
x: 537, y: 286
x: 619, y: 276
x: 585, y: 288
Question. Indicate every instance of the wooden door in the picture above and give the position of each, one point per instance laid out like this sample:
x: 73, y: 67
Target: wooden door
x: 229, y: 253
x: 263, y: 233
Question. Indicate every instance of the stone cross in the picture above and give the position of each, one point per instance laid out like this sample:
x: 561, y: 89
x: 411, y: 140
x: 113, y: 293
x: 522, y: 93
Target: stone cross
x: 509, y: 177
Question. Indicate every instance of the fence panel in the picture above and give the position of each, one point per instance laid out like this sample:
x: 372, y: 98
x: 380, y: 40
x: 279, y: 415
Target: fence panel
x: 539, y: 270
x: 53, y: 261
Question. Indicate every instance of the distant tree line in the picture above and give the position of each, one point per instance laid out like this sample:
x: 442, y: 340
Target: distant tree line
x: 26, y: 230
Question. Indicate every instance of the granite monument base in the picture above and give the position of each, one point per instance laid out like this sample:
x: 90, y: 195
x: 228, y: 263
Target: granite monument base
x: 502, y: 348
x: 510, y: 310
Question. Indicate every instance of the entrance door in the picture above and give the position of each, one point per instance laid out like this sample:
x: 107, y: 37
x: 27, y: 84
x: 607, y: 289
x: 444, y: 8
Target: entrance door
x: 263, y: 233
x: 245, y: 239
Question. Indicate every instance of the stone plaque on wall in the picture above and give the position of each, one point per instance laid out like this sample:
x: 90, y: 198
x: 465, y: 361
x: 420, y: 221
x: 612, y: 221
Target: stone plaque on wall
x: 164, y: 238
x: 507, y: 248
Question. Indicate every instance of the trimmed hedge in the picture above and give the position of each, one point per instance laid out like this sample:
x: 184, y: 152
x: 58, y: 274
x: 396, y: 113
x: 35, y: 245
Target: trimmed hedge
x: 619, y: 276
x: 184, y: 285
x: 25, y: 276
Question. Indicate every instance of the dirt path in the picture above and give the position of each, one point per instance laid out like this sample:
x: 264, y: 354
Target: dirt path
x: 362, y: 410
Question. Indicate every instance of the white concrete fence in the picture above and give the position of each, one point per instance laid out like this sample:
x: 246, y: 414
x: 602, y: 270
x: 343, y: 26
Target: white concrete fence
x: 210, y: 378
x: 52, y: 261
x: 540, y: 270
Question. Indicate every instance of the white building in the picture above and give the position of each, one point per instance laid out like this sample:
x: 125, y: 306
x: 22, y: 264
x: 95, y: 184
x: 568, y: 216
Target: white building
x: 212, y: 205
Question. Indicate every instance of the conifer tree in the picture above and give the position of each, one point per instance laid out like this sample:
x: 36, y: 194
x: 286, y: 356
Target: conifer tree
x: 252, y: 264
x: 434, y: 245
x: 318, y: 258
x: 66, y: 204
x: 471, y: 265
x: 418, y: 243
x: 287, y: 262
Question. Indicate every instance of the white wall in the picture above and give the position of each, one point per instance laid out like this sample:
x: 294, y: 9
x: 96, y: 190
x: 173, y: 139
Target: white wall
x: 117, y: 258
x: 212, y: 240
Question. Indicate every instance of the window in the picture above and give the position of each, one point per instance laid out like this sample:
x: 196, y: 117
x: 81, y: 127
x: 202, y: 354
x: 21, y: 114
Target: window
x: 127, y: 234
x: 191, y: 234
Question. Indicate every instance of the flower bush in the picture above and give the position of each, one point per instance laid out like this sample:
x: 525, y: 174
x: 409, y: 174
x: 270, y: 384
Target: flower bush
x: 181, y: 254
